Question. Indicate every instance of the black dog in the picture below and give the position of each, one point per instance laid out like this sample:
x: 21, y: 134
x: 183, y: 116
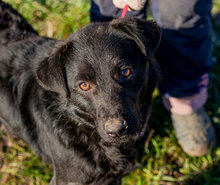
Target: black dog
x: 81, y: 103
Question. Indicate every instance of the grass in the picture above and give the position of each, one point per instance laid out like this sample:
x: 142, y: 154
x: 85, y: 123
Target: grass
x: 163, y: 161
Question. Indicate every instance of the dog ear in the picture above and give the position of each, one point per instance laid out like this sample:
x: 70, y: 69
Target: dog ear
x: 51, y: 73
x: 146, y: 34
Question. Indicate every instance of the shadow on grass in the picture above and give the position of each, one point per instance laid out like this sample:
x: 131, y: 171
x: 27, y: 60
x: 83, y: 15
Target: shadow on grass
x: 210, y: 176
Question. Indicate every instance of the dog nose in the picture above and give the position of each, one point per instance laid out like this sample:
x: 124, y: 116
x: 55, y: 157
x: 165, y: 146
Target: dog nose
x: 116, y: 127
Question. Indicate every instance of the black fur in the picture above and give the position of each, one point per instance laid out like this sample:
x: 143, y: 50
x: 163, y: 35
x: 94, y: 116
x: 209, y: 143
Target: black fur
x: 41, y: 102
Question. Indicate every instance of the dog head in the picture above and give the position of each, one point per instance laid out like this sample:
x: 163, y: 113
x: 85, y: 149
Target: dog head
x: 105, y: 73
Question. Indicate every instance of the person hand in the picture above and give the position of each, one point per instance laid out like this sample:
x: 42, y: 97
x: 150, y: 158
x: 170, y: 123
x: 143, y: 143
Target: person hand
x: 133, y: 4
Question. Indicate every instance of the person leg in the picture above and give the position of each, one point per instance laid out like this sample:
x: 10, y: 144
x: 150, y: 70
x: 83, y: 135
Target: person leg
x: 185, y: 58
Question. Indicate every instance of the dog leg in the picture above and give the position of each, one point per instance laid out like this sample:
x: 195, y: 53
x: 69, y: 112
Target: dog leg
x: 53, y: 182
x: 116, y: 182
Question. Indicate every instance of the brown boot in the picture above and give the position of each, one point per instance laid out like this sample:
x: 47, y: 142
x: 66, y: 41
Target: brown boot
x: 195, y: 132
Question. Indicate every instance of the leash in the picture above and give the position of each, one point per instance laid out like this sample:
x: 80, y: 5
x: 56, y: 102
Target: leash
x: 124, y: 12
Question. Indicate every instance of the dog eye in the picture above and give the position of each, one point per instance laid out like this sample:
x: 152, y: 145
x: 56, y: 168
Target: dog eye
x: 84, y: 86
x: 126, y: 72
